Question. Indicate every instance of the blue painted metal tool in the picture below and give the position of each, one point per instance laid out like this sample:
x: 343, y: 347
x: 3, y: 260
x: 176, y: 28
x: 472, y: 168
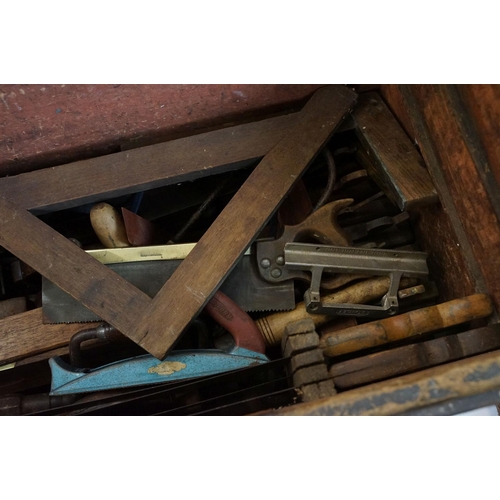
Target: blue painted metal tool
x: 145, y: 370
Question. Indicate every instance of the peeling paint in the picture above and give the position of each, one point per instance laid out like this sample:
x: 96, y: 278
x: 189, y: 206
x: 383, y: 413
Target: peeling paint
x: 167, y: 368
x: 480, y: 373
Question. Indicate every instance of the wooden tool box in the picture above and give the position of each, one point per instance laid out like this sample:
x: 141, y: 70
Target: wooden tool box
x: 452, y: 130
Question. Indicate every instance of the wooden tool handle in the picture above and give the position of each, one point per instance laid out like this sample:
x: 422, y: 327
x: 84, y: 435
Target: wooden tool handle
x: 406, y: 325
x: 321, y: 226
x: 273, y: 326
x: 108, y: 226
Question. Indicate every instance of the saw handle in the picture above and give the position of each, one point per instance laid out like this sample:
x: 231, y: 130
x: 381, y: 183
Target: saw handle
x: 321, y: 227
x: 236, y: 321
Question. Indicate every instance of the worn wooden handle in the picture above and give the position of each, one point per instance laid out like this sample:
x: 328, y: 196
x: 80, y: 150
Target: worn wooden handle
x: 108, y: 226
x: 273, y: 326
x: 321, y: 226
x: 412, y: 323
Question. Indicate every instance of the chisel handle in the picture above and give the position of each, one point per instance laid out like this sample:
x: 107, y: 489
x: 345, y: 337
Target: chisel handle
x: 417, y: 322
x: 273, y: 326
x: 108, y: 225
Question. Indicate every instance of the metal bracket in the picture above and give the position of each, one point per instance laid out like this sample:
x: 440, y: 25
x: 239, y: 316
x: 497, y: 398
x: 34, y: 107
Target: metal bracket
x: 317, y: 259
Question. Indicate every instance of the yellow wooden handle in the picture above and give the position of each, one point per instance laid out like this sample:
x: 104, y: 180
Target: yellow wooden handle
x: 108, y: 226
x: 427, y: 319
x: 273, y: 326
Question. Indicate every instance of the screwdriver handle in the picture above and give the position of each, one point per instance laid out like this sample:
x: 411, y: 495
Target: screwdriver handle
x: 273, y: 326
x: 417, y: 322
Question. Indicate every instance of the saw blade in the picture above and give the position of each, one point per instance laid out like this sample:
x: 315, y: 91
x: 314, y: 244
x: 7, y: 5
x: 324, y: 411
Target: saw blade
x: 243, y: 285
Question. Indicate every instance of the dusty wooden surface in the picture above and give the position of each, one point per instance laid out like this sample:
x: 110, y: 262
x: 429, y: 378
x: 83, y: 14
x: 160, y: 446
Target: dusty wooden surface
x: 214, y: 256
x: 48, y: 125
x: 453, y: 381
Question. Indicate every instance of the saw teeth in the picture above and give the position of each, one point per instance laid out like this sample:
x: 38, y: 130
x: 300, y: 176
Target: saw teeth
x: 271, y: 310
x: 47, y: 322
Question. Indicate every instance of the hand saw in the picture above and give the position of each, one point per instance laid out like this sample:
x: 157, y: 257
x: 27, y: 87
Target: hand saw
x: 149, y: 268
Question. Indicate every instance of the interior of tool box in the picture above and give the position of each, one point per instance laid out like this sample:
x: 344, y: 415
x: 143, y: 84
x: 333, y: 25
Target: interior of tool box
x: 424, y: 229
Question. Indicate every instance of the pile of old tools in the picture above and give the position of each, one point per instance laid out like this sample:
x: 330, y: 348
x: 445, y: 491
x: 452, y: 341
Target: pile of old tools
x: 235, y: 277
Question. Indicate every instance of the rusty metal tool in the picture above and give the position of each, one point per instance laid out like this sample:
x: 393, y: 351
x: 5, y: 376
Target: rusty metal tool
x: 245, y: 349
x: 410, y: 324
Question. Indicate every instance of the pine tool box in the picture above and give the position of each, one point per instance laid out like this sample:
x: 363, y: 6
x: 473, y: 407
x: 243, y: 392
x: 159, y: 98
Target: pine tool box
x: 249, y: 249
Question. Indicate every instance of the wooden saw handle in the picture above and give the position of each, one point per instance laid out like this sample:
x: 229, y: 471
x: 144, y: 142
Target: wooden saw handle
x: 427, y: 319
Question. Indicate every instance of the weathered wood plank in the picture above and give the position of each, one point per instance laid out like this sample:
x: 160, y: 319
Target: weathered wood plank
x: 117, y: 174
x: 48, y: 125
x: 411, y: 358
x: 96, y: 286
x: 451, y: 382
x: 461, y: 177
x: 439, y: 230
x: 483, y: 105
x: 24, y: 335
x: 215, y: 255
x: 390, y: 155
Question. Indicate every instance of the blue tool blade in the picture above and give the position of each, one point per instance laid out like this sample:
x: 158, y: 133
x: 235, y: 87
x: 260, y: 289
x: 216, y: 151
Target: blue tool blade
x: 146, y: 370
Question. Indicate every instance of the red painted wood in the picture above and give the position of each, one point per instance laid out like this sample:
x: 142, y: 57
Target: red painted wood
x: 48, y: 125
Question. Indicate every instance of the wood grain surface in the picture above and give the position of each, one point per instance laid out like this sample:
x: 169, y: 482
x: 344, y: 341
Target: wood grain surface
x: 440, y: 231
x: 412, y: 323
x: 411, y: 358
x: 390, y: 155
x: 24, y: 335
x: 469, y: 195
x: 483, y: 106
x: 198, y: 277
x: 96, y: 286
x: 186, y: 159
